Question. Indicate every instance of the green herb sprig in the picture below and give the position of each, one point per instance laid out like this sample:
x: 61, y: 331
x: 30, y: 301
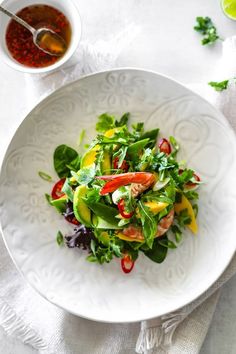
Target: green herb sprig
x: 206, y: 27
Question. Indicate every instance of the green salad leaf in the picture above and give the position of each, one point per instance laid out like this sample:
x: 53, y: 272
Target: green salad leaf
x: 206, y: 27
x: 149, y: 224
x: 65, y: 158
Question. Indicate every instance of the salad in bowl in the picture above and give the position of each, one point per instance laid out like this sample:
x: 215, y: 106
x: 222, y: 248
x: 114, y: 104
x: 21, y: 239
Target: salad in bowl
x: 125, y: 195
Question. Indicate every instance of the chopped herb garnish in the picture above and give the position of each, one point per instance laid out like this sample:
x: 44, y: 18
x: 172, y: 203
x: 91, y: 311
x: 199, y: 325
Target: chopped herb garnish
x: 45, y: 176
x: 220, y: 85
x: 206, y: 27
x: 60, y: 239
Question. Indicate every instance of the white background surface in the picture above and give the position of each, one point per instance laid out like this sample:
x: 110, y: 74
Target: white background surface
x: 166, y: 43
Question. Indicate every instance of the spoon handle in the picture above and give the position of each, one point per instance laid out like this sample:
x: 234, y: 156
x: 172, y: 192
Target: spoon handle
x: 17, y: 19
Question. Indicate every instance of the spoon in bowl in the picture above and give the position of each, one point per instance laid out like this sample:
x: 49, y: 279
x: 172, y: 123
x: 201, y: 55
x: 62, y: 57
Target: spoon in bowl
x: 45, y: 39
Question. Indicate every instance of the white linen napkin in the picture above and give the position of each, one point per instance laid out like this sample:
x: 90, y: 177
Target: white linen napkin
x: 27, y: 316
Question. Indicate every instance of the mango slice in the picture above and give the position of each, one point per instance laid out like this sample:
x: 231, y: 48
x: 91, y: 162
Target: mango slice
x: 156, y: 207
x: 185, y: 204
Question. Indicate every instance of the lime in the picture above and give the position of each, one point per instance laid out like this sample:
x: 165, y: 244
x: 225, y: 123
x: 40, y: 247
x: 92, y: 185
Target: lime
x: 229, y: 8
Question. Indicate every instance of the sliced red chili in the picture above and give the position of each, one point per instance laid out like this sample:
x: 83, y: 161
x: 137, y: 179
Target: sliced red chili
x: 165, y: 146
x: 56, y: 191
x: 192, y: 184
x: 127, y: 264
x: 124, y: 166
x: 72, y: 220
x: 195, y: 176
x: 121, y: 207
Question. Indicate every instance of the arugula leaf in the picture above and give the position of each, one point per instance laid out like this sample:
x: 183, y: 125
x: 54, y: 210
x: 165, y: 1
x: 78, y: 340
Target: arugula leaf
x: 158, y: 252
x: 149, y: 224
x: 146, y: 160
x: 85, y: 175
x: 105, y: 122
x: 121, y: 153
x: 177, y: 232
x: 191, y: 195
x: 183, y: 218
x: 102, y: 253
x: 219, y: 86
x: 136, y: 148
x: 206, y: 27
x: 138, y: 130
x: 195, y: 209
x: 175, y: 146
x: 152, y: 136
x: 123, y: 120
x: 60, y: 239
x: 63, y: 157
x: 93, y: 195
x: 167, y: 243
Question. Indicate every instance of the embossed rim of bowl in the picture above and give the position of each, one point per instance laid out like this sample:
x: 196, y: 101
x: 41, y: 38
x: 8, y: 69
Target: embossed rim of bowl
x: 70, y: 10
x: 172, y: 308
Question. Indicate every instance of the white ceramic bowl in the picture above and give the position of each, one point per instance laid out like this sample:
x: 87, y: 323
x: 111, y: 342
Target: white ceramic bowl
x: 30, y: 225
x: 68, y: 8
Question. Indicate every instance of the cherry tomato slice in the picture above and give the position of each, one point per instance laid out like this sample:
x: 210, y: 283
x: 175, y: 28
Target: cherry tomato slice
x: 124, y: 166
x: 56, y: 191
x: 121, y: 207
x: 164, y: 146
x: 127, y: 264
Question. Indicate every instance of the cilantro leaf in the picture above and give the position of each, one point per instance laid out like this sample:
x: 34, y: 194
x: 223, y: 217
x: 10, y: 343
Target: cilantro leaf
x: 206, y: 27
x: 219, y: 86
x: 105, y: 122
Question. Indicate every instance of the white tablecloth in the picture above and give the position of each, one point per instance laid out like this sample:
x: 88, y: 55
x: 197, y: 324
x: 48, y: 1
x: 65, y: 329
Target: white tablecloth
x: 165, y: 43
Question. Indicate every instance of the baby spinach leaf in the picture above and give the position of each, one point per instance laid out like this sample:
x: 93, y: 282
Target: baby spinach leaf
x: 158, y: 252
x: 63, y: 157
x: 104, y: 211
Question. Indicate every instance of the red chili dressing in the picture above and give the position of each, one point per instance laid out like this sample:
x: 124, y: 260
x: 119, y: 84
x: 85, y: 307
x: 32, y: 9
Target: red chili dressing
x: 20, y: 41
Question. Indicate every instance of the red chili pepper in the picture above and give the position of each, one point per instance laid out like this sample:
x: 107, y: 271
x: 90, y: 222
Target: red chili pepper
x: 72, y: 220
x: 121, y: 207
x: 56, y: 191
x: 124, y: 166
x: 192, y: 184
x: 127, y: 264
x: 195, y: 176
x: 164, y: 146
